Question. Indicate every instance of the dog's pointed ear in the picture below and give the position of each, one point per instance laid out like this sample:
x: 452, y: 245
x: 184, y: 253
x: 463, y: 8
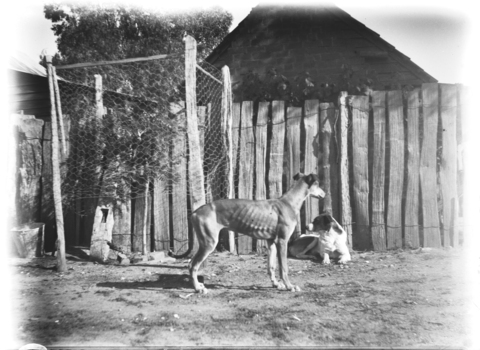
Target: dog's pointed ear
x: 298, y: 176
x: 310, y: 179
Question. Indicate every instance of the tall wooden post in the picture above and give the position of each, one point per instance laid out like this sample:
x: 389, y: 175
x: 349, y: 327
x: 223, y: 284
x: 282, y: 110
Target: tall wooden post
x: 344, y: 179
x: 59, y: 110
x: 195, y: 167
x: 57, y: 193
x: 379, y: 241
x: 326, y: 118
x: 260, y: 162
x: 428, y: 165
x: 227, y: 110
x: 312, y: 153
x: 360, y: 171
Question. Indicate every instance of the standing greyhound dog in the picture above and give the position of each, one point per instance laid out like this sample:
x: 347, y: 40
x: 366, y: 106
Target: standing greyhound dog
x: 273, y: 220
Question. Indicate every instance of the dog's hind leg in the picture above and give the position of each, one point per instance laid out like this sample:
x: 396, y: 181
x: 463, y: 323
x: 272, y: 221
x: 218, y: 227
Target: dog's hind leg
x: 272, y: 260
x: 207, y: 241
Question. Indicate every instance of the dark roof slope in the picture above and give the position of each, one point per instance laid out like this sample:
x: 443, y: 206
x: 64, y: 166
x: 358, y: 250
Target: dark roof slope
x: 267, y: 36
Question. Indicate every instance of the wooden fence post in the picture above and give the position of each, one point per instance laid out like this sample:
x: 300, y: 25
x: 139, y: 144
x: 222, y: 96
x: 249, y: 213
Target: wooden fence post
x: 412, y: 237
x: 260, y: 161
x: 58, y: 102
x: 101, y: 232
x: 227, y: 110
x: 246, y: 167
x: 428, y: 164
x: 195, y: 164
x: 360, y: 112
x: 195, y: 168
x: 448, y: 164
x: 346, y: 210
x: 326, y: 119
x: 378, y: 177
x: 57, y: 193
x: 312, y: 153
x: 179, y: 185
x: 275, y: 172
x: 294, y: 116
x: 161, y: 215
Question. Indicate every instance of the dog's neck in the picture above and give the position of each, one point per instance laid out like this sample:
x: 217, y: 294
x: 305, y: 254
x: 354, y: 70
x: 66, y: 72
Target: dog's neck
x: 296, y: 195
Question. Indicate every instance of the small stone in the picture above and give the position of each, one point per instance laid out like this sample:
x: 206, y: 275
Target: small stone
x: 123, y: 259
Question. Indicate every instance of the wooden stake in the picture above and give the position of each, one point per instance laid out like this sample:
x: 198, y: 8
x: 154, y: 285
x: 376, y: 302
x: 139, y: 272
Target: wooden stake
x: 346, y: 210
x: 145, y: 219
x: 59, y: 111
x: 195, y: 164
x: 227, y: 110
x: 57, y: 193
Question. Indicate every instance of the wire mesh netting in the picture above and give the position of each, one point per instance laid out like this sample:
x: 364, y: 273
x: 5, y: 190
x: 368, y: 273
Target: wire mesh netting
x: 127, y: 128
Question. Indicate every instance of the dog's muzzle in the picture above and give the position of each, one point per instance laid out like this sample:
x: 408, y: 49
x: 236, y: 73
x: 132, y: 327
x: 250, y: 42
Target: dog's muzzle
x: 319, y: 193
x: 310, y: 227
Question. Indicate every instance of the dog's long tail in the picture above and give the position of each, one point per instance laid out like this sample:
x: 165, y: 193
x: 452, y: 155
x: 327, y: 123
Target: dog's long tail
x: 190, y: 244
x: 181, y: 256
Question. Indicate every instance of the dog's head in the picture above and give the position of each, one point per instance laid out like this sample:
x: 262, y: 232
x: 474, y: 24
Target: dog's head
x: 326, y: 223
x: 313, y: 183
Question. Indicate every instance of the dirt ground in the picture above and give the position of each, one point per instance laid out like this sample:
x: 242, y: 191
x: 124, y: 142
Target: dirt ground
x: 396, y: 298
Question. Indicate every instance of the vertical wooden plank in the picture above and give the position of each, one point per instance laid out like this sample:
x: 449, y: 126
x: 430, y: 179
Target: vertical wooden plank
x: 202, y: 120
x: 326, y: 123
x: 141, y: 217
x: 236, y: 117
x: 260, y: 161
x: 312, y: 150
x: 207, y: 139
x: 277, y: 144
x: 57, y: 191
x: 246, y: 167
x: 346, y: 210
x: 58, y: 102
x: 428, y: 163
x: 333, y: 116
x: 122, y: 221
x: 294, y: 115
x: 195, y: 164
x: 47, y: 213
x: 227, y: 117
x: 412, y: 236
x: 360, y: 111
x: 448, y: 164
x: 378, y: 180
x: 237, y: 107
x: 201, y: 114
x: 161, y: 215
x: 179, y: 184
x: 396, y: 169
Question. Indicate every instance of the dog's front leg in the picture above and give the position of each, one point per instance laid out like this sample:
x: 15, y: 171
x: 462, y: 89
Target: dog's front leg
x: 272, y: 256
x: 283, y: 262
x: 326, y: 259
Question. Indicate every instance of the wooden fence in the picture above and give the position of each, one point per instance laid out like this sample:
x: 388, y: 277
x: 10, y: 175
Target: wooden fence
x: 388, y: 163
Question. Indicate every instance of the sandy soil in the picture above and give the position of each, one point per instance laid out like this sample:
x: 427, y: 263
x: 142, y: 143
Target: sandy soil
x: 396, y: 298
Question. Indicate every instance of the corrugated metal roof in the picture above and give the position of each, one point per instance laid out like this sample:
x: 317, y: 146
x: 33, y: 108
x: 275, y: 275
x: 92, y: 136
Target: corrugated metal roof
x: 21, y: 62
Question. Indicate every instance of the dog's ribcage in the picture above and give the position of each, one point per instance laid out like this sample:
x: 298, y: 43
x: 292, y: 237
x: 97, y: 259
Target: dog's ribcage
x: 254, y: 218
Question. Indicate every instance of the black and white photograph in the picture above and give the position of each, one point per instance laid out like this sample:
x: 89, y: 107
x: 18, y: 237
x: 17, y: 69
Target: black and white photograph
x: 240, y: 175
